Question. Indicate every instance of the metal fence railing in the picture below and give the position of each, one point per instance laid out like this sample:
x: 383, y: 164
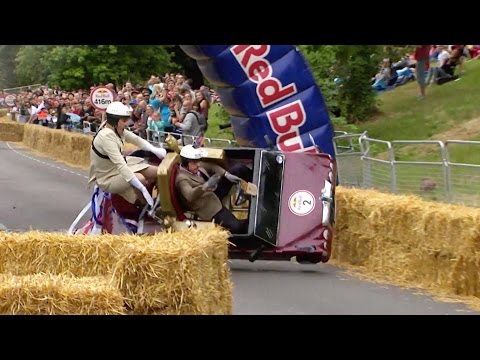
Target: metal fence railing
x: 15, y: 91
x: 348, y: 147
x: 18, y: 89
x: 434, y: 175
x: 158, y: 137
x: 440, y: 171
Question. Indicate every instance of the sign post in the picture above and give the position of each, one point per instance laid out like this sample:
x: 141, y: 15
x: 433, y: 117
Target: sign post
x: 10, y: 100
x: 100, y: 98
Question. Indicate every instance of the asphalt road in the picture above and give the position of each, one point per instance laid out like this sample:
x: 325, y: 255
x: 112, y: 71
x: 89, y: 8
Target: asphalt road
x: 37, y: 193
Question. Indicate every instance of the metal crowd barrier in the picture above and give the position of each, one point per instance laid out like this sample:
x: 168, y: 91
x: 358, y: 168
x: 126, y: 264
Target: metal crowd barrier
x: 373, y: 163
x: 158, y: 138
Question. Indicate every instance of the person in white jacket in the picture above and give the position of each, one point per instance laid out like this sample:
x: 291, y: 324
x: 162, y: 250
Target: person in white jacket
x: 127, y: 176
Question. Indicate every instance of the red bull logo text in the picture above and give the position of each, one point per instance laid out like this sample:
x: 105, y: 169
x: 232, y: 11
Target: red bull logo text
x: 103, y: 93
x: 285, y: 121
x: 259, y: 70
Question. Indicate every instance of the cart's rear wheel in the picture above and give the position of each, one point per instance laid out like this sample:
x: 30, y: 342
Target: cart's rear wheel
x: 309, y: 258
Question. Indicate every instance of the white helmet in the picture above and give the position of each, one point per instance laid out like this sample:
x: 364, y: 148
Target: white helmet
x: 191, y: 153
x: 118, y: 109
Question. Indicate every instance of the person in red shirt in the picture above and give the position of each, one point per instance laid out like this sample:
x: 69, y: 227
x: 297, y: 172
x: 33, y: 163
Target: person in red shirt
x: 422, y: 57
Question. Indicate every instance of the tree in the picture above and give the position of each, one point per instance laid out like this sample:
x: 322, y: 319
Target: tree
x: 80, y: 66
x: 30, y: 64
x: 343, y: 73
x: 322, y: 60
x: 356, y: 64
x: 396, y: 52
x: 189, y: 67
x: 7, y: 65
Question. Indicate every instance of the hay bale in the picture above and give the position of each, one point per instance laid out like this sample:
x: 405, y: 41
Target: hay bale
x: 168, y: 273
x: 72, y: 148
x: 177, y: 273
x: 409, y: 240
x: 69, y: 147
x: 130, y: 147
x: 58, y: 294
x: 56, y: 253
x: 11, y: 131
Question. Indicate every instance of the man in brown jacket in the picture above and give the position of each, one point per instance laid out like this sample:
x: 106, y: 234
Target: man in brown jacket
x: 201, y: 186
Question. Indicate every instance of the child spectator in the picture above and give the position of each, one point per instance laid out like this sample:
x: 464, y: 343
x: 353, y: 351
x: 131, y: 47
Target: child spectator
x: 157, y: 127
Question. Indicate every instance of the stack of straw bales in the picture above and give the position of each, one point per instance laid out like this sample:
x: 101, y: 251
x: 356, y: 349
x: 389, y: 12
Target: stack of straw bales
x: 3, y: 112
x: 10, y: 131
x: 42, y: 252
x: 408, y: 240
x: 184, y: 272
x: 179, y: 273
x: 73, y: 148
x: 58, y: 294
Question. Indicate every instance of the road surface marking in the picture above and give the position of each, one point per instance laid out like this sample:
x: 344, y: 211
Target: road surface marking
x: 44, y: 163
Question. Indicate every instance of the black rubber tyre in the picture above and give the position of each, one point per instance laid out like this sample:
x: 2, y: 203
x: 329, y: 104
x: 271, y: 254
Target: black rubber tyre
x: 309, y: 258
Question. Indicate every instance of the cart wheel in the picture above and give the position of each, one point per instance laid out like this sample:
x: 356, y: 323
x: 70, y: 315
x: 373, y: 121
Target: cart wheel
x: 254, y: 256
x: 309, y: 258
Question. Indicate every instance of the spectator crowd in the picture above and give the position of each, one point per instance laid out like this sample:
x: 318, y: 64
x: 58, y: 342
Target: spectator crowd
x: 163, y: 104
x: 429, y: 64
x: 169, y: 103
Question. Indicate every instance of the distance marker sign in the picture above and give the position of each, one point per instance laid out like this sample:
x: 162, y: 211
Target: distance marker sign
x: 10, y: 100
x: 101, y: 97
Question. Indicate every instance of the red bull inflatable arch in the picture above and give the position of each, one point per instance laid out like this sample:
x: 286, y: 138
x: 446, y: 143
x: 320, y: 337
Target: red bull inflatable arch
x: 270, y: 94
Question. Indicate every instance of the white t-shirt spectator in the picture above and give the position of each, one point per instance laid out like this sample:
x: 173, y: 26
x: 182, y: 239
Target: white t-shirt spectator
x: 443, y: 57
